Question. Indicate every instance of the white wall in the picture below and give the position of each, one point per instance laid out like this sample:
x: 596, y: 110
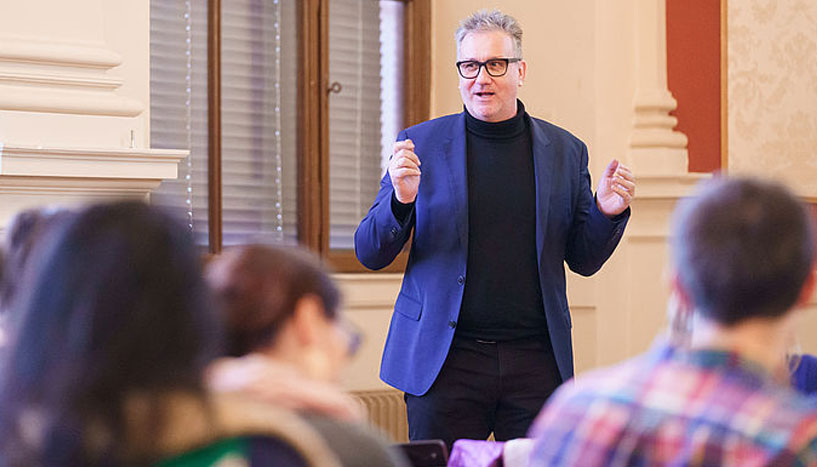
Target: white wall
x: 772, y: 92
x: 772, y: 103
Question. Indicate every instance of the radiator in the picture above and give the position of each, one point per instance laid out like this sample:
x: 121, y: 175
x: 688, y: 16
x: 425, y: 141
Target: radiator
x: 386, y: 411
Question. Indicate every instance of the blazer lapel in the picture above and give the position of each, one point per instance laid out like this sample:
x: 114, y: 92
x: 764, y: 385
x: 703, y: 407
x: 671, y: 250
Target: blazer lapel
x: 543, y: 172
x: 454, y: 150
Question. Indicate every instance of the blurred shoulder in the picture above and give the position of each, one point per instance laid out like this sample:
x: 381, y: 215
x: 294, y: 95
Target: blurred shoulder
x: 355, y: 444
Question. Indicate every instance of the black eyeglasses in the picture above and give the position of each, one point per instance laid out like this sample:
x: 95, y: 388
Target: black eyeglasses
x: 496, y: 67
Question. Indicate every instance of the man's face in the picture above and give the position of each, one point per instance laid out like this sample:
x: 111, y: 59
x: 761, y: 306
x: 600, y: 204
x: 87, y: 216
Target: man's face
x: 489, y: 98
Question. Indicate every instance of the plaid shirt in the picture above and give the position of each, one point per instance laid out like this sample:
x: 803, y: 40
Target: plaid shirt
x: 673, y: 407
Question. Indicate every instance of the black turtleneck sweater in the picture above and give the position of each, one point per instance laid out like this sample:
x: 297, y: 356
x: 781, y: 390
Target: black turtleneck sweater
x: 502, y: 299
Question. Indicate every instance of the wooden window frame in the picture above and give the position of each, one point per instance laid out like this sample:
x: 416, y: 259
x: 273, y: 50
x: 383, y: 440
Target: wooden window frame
x: 214, y: 230
x: 313, y: 120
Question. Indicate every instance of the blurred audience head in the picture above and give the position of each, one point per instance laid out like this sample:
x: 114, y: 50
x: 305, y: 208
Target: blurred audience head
x: 743, y: 248
x: 280, y: 301
x: 25, y: 230
x: 115, y: 313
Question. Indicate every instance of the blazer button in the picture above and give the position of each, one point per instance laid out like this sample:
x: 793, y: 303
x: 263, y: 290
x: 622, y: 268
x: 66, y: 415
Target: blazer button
x: 394, y: 231
x: 452, y: 324
x: 460, y: 281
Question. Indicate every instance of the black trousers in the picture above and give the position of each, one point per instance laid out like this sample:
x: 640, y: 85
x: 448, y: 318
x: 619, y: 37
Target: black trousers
x: 485, y: 387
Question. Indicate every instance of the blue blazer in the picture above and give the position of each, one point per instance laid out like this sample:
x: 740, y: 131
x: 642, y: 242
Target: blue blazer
x: 569, y: 227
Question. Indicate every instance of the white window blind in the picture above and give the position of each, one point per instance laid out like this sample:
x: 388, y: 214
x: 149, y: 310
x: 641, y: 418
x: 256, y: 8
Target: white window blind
x: 392, y: 59
x: 258, y: 99
x: 354, y: 115
x: 178, y: 105
x: 255, y: 77
x: 259, y: 111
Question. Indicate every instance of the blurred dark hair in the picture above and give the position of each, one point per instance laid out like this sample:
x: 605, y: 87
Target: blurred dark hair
x: 116, y: 310
x: 26, y: 229
x: 258, y: 287
x: 743, y: 248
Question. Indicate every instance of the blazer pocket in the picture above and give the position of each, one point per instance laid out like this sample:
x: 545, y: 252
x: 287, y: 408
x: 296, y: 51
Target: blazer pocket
x: 408, y: 307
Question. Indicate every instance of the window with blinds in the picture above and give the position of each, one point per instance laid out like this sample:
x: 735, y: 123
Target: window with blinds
x: 259, y: 68
x: 259, y: 118
x: 256, y: 73
x: 178, y: 106
x: 392, y: 58
x: 354, y: 115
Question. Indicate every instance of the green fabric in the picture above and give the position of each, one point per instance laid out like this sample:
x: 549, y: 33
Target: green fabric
x: 212, y: 454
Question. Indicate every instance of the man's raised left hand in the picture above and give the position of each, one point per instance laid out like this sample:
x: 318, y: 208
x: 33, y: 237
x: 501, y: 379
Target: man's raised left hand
x: 616, y: 189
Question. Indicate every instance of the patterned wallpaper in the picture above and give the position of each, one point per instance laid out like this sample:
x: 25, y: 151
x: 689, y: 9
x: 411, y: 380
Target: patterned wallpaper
x: 772, y: 90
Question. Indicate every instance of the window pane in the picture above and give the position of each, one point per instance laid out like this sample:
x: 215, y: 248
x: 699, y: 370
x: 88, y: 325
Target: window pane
x: 355, y: 123
x: 391, y: 73
x: 289, y: 118
x: 258, y: 98
x: 178, y: 106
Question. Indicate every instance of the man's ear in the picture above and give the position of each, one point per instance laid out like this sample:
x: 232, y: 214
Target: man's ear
x: 523, y: 70
x: 307, y: 319
x: 808, y: 288
x: 677, y: 288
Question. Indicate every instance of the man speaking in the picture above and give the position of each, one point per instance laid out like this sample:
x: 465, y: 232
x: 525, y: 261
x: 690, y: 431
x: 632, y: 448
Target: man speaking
x: 498, y: 201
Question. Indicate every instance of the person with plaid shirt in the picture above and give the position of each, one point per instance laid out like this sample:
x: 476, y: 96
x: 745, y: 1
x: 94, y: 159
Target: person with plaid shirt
x: 743, y: 253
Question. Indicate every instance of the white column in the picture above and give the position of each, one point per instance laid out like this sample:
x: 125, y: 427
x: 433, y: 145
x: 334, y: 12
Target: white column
x: 655, y: 147
x: 658, y: 155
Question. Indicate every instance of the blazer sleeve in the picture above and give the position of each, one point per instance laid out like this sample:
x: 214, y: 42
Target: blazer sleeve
x: 593, y: 236
x: 380, y: 236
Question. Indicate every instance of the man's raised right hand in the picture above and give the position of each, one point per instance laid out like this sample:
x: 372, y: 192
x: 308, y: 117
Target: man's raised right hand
x: 404, y: 171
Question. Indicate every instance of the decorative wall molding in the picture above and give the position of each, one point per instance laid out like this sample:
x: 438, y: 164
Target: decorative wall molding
x: 150, y: 164
x: 664, y: 187
x: 654, y: 205
x: 655, y: 148
x: 653, y: 125
x: 18, y: 193
x: 33, y: 176
x: 138, y: 155
x: 658, y: 154
x: 80, y: 102
x: 39, y: 51
x: 90, y: 188
x: 50, y: 77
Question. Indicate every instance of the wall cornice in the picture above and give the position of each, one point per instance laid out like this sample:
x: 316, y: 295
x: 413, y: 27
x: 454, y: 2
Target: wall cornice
x: 15, y: 48
x: 92, y: 188
x: 19, y: 160
x: 667, y: 187
x: 52, y: 96
x: 38, y: 75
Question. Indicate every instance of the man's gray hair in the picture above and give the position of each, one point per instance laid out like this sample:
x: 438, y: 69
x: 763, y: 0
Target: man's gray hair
x: 491, y: 20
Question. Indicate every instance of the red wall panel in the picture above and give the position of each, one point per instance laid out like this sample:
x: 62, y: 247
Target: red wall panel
x: 694, y: 74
